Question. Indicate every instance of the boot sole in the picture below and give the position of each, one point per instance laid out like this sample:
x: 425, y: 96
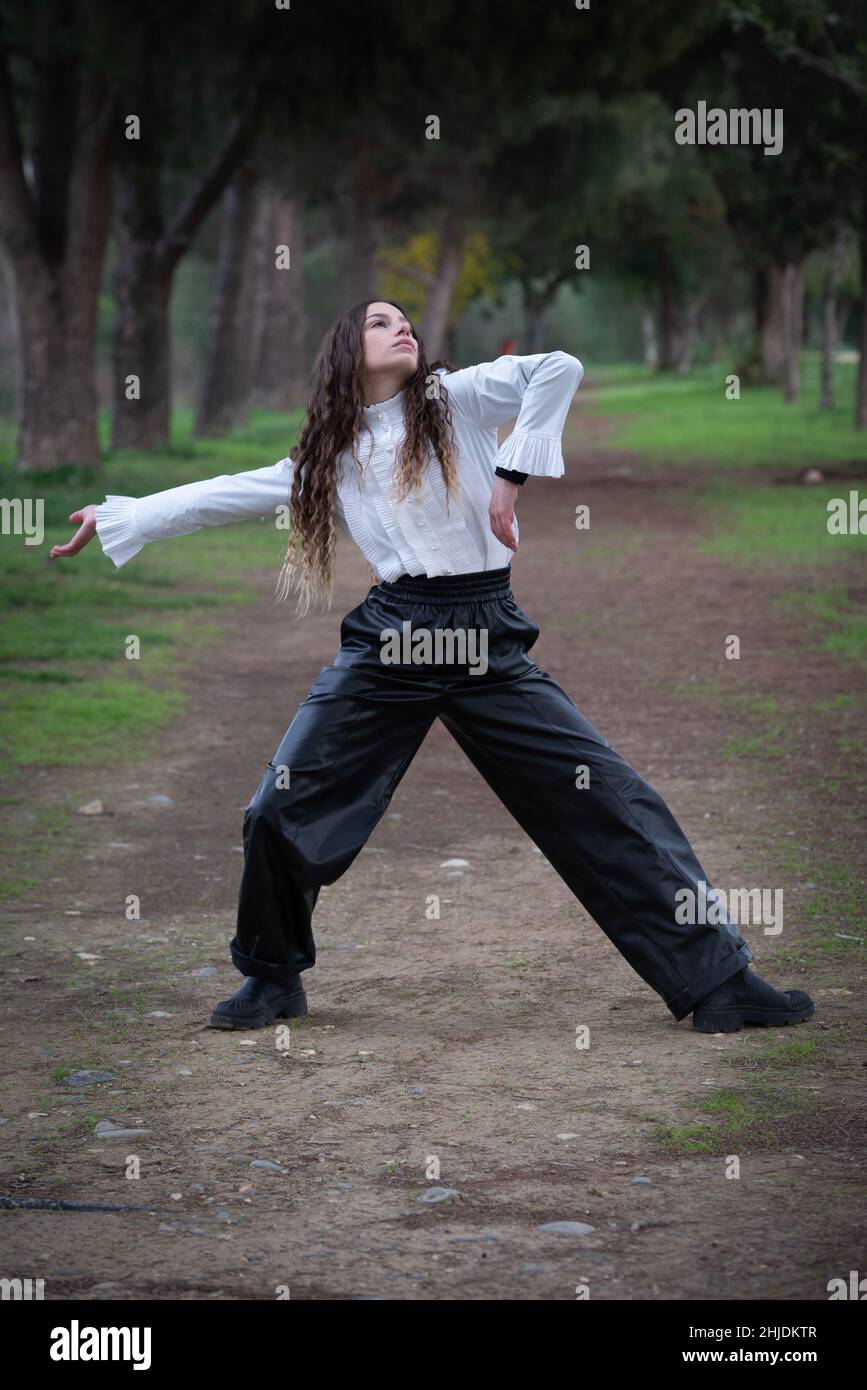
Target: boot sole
x: 733, y: 1020
x: 291, y: 1006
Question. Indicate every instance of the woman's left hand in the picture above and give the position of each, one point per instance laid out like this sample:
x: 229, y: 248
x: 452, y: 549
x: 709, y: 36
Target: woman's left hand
x: 502, y: 511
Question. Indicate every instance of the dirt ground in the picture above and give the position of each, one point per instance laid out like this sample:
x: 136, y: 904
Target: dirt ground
x: 452, y: 1042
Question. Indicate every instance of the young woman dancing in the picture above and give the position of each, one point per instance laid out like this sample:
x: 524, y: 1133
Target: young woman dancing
x: 403, y: 455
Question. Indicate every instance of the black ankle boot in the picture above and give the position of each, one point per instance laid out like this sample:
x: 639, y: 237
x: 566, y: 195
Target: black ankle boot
x: 259, y: 1002
x: 747, y: 998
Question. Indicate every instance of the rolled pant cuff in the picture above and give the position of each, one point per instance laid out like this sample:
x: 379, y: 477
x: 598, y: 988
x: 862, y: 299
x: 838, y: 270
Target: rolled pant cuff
x: 684, y: 1002
x: 280, y: 974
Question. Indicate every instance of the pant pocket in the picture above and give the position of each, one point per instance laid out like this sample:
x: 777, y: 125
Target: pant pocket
x: 528, y: 632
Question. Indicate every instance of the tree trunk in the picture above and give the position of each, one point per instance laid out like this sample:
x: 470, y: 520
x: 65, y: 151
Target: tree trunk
x: 669, y: 324
x: 535, y: 309
x: 361, y: 252
x: 54, y: 226
x: 725, y: 314
x: 672, y: 326
x: 861, y: 389
x: 845, y: 304
x: 228, y: 375
x: 648, y: 337
x: 793, y: 329
x: 258, y: 281
x: 141, y: 346
x: 772, y: 325
x: 678, y: 327
x: 7, y: 335
x: 280, y: 378
x: 56, y: 387
x: 149, y: 252
x: 537, y: 302
x: 442, y: 292
x: 689, y: 335
x: 830, y: 327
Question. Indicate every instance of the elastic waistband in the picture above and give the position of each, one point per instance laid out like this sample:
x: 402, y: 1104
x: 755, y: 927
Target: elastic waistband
x: 478, y: 584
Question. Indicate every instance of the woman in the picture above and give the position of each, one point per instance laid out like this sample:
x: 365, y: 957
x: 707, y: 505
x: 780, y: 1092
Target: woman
x: 382, y: 423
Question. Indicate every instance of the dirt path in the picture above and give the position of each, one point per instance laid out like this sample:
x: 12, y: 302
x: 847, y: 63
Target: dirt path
x: 447, y: 1040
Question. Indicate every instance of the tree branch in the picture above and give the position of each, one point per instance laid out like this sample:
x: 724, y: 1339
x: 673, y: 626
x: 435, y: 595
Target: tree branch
x: 198, y: 203
x: 236, y: 140
x: 805, y: 58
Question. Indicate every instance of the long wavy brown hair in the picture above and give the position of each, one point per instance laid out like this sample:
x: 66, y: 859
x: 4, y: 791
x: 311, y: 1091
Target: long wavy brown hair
x: 335, y: 416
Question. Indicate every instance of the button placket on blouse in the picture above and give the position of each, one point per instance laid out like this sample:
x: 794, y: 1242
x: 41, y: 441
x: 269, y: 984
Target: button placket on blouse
x: 410, y: 521
x: 381, y: 498
x: 390, y: 449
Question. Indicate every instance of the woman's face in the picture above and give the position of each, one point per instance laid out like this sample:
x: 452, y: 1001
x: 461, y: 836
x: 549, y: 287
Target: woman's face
x: 389, y: 343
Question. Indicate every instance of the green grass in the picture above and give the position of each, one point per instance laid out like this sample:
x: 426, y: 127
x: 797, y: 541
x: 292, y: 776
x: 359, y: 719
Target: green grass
x: 783, y: 1053
x: 47, y: 826
x: 734, y: 1116
x: 69, y: 694
x: 837, y: 905
x: 766, y: 744
x: 678, y: 420
x: 769, y: 525
x: 739, y: 1122
x: 834, y: 608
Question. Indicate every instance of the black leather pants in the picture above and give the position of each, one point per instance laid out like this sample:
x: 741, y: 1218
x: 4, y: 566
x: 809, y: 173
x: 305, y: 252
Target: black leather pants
x: 614, y: 841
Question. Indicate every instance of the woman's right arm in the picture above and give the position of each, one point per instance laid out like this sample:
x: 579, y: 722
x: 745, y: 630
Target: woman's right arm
x: 125, y: 524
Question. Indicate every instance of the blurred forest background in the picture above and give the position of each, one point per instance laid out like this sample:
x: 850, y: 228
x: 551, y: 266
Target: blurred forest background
x: 453, y: 156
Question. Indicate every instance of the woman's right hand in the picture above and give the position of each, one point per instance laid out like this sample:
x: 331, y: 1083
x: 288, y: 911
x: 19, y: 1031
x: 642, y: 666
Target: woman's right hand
x: 85, y: 533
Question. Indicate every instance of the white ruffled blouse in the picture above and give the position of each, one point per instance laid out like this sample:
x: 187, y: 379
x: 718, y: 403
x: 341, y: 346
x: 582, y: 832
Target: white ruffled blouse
x: 406, y: 537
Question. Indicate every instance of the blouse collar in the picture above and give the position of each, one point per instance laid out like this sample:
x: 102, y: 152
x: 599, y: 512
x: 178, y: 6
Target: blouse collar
x: 389, y: 410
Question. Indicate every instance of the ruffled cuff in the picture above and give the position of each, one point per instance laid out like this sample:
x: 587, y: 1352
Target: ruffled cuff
x: 115, y: 527
x: 539, y: 454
